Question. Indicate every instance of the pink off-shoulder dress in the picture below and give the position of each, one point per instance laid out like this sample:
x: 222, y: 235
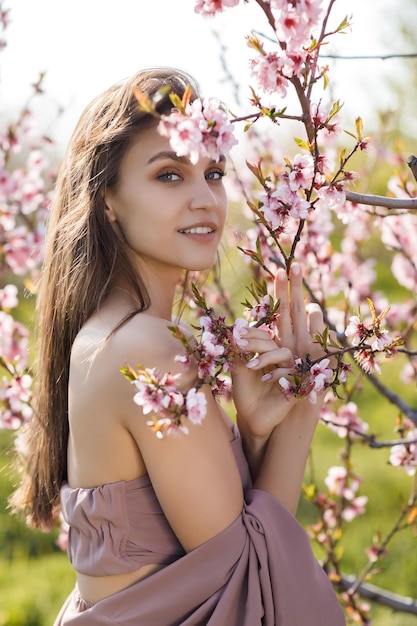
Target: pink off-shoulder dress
x: 260, y: 571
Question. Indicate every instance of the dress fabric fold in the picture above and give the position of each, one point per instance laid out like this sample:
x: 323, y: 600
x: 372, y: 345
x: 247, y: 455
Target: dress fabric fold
x: 260, y: 571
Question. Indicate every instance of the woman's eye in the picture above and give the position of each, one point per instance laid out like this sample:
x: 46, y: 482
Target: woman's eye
x: 216, y: 175
x: 169, y: 176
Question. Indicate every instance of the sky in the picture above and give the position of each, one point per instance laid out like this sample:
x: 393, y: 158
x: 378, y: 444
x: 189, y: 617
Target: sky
x: 84, y: 46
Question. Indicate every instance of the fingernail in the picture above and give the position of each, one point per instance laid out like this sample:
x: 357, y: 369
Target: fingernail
x: 252, y: 363
x: 282, y: 276
x: 296, y: 269
x: 266, y: 377
x: 242, y: 342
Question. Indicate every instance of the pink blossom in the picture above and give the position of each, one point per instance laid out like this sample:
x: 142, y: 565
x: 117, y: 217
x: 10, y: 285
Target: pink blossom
x: 408, y: 373
x: 356, y: 330
x: 345, y: 421
x: 261, y: 308
x: 277, y: 204
x: 8, y: 297
x: 302, y: 172
x: 329, y: 517
x: 405, y: 455
x: 331, y: 196
x: 295, y: 21
x: 22, y: 251
x: 184, y: 134
x: 382, y: 340
x: 299, y: 208
x: 340, y: 483
x: 367, y: 361
x: 15, y: 399
x: 320, y: 377
x: 269, y: 70
x: 210, y: 345
x: 239, y: 331
x: 206, y: 368
x: 336, y: 480
x: 156, y: 392
x: 196, y: 405
x: 13, y: 340
x: 211, y: 7
x: 202, y: 130
x: 356, y: 507
x: 206, y: 323
x: 404, y: 271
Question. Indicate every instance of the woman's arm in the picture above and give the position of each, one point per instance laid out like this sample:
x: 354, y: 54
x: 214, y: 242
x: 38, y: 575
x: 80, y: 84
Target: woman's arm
x: 283, y: 465
x: 195, y: 475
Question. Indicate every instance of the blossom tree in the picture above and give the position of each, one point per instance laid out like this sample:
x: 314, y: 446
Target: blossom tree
x: 26, y: 178
x: 298, y: 207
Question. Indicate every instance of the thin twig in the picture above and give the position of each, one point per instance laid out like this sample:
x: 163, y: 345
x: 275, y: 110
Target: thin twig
x: 376, y: 57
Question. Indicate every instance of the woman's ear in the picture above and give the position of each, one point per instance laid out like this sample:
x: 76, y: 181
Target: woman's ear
x: 109, y: 210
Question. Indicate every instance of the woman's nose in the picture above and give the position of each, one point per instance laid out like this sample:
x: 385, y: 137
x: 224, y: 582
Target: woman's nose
x: 202, y: 196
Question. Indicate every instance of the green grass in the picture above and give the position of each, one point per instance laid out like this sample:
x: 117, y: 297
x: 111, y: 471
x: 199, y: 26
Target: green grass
x: 33, y: 590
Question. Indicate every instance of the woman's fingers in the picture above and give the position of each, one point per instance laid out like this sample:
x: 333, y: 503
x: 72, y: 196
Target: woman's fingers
x: 292, y: 319
x: 279, y: 357
x: 315, y: 318
x: 298, y: 307
x: 284, y: 323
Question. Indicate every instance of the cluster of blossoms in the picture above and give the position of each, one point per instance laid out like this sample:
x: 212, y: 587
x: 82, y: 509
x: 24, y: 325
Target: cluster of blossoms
x: 294, y: 23
x: 15, y: 387
x: 371, y: 340
x: 345, y: 421
x: 344, y: 485
x: 215, y: 351
x: 286, y: 198
x: 291, y: 194
x: 15, y: 397
x: 25, y: 183
x: 341, y: 502
x: 198, y: 129
x: 157, y: 394
x: 309, y: 380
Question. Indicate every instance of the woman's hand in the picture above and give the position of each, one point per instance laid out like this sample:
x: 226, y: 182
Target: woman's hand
x: 258, y: 397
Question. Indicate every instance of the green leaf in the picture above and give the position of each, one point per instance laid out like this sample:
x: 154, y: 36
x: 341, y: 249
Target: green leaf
x: 359, y: 127
x: 301, y: 143
x: 343, y: 24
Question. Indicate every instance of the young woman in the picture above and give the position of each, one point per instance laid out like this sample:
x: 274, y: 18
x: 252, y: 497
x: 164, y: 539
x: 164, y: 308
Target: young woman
x: 193, y: 529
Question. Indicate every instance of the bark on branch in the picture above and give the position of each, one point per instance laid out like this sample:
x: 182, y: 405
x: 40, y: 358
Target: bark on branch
x: 388, y: 203
x: 381, y: 596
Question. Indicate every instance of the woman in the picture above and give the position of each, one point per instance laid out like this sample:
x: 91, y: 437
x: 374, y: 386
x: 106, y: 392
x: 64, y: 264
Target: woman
x: 194, y: 529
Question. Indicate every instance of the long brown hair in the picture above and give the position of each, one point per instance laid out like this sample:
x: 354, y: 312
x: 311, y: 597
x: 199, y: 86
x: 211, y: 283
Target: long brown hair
x: 83, y: 255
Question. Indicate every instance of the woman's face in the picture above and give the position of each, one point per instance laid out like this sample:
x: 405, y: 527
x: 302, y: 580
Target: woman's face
x: 169, y: 211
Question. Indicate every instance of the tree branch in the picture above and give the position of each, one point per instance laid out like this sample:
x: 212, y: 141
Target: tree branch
x: 388, y: 203
x: 394, y: 398
x: 381, y: 596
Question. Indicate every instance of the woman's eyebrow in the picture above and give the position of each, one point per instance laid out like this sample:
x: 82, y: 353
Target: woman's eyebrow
x: 167, y: 154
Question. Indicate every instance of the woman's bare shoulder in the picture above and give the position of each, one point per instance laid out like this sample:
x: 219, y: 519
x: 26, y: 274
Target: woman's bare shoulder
x: 144, y: 340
